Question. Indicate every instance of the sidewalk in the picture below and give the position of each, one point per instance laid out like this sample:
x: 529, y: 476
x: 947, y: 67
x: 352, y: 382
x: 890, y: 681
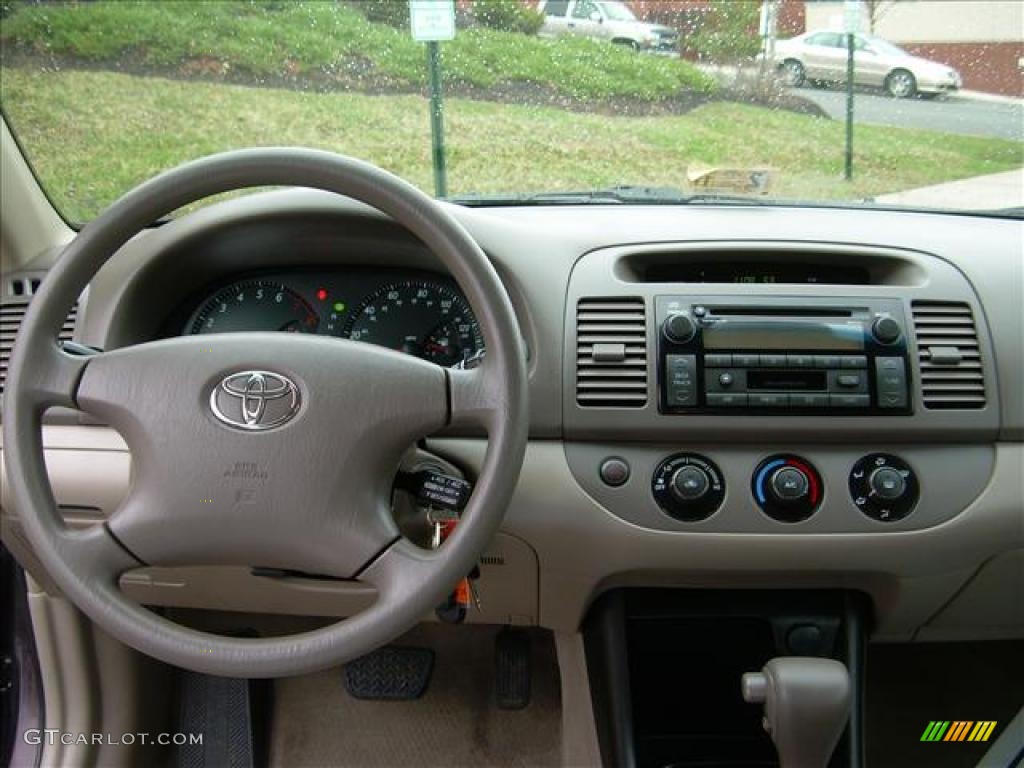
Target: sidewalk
x: 992, y: 192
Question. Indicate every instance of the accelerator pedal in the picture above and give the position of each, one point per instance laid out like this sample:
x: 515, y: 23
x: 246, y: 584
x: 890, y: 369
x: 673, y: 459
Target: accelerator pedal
x: 512, y: 670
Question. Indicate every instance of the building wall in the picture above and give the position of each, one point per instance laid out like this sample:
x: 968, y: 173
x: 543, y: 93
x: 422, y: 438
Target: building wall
x: 989, y: 67
x: 982, y: 39
x: 932, y: 21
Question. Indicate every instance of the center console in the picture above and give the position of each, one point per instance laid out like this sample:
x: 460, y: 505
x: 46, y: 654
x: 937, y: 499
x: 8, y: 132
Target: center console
x: 777, y: 388
x: 666, y: 667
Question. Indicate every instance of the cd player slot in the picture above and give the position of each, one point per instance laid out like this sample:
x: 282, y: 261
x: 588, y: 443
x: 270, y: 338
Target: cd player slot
x: 779, y: 312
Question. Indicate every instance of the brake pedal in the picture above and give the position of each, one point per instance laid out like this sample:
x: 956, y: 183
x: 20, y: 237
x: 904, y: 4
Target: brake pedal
x: 512, y: 670
x: 393, y: 673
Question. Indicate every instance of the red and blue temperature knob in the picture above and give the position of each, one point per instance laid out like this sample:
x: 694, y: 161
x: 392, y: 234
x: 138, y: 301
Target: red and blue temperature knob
x: 787, y: 488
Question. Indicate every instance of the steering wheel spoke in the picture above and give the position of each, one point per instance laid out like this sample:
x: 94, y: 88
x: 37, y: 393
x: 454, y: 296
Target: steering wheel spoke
x: 53, y: 378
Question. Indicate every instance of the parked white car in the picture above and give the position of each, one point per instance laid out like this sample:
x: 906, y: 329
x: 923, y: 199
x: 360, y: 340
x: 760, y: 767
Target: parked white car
x: 821, y: 56
x: 609, y: 20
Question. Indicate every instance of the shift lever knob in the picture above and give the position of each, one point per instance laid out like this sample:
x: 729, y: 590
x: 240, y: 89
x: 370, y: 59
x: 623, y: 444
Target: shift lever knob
x: 806, y: 705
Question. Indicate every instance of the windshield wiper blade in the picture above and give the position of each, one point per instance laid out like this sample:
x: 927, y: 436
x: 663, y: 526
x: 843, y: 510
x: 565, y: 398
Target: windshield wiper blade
x: 623, y: 194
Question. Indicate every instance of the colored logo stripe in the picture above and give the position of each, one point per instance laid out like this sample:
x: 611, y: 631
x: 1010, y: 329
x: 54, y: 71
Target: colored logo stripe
x: 982, y: 730
x: 958, y: 730
x: 935, y: 730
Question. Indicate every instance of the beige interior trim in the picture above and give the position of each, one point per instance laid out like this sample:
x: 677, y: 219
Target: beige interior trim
x: 30, y: 224
x: 579, y: 731
x: 63, y: 645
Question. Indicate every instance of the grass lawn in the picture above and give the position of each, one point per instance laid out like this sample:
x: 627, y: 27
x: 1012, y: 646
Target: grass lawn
x: 92, y: 135
x: 324, y: 42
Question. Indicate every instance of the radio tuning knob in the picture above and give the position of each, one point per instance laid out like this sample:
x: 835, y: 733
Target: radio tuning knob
x: 885, y: 329
x: 679, y: 327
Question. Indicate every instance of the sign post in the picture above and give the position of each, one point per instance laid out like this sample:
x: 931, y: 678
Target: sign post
x: 433, y: 21
x: 851, y: 25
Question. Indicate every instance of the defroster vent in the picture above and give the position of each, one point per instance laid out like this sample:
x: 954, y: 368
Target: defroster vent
x: 611, y: 353
x: 949, y: 356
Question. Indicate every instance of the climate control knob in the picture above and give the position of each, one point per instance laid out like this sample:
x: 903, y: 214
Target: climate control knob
x: 887, y: 484
x: 679, y: 327
x: 688, y: 486
x: 883, y: 487
x: 787, y: 488
x: 689, y: 483
x: 788, y: 484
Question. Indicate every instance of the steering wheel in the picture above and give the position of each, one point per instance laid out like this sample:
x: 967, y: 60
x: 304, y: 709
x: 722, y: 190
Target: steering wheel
x: 266, y: 449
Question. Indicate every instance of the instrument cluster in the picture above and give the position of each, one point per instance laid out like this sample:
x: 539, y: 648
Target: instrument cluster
x: 418, y: 313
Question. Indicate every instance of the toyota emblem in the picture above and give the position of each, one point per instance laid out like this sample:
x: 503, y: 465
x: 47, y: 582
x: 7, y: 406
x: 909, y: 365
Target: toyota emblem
x: 255, y: 400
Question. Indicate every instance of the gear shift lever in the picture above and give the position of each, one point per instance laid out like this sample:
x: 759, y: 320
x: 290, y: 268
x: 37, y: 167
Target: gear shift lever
x: 806, y: 705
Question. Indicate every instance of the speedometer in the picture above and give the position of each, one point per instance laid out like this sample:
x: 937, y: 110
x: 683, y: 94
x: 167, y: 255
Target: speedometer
x: 425, y: 318
x: 255, y: 305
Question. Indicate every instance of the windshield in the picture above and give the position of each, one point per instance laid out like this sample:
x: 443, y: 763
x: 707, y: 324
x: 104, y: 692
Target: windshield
x: 617, y: 12
x: 103, y: 95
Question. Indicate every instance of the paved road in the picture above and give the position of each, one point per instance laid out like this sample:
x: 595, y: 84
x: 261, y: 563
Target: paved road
x: 954, y: 114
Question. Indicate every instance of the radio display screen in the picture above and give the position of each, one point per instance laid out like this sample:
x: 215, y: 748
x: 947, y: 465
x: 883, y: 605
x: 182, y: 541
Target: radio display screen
x: 780, y: 334
x: 787, y: 381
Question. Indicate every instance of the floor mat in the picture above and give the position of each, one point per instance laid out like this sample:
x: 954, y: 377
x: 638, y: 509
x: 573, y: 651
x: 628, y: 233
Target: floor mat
x: 456, y: 722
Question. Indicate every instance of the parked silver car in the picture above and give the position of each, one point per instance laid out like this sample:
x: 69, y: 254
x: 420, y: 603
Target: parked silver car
x: 608, y: 20
x: 821, y: 56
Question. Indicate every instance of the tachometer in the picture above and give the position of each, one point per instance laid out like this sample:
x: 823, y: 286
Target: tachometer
x: 255, y: 305
x: 425, y: 318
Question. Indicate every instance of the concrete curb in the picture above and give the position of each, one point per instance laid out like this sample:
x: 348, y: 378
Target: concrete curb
x: 994, y: 98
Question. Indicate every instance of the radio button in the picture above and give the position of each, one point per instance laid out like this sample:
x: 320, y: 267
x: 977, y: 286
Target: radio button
x: 725, y: 380
x: 800, y: 361
x: 681, y: 380
x: 849, y: 401
x: 891, y: 381
x: 726, y: 399
x: 717, y: 361
x: 854, y: 361
x: 773, y: 361
x: 850, y: 381
x: 827, y: 361
x: 746, y: 361
x: 807, y: 400
x: 768, y: 399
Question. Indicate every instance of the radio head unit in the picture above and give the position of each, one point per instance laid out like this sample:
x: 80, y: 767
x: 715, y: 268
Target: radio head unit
x: 779, y: 356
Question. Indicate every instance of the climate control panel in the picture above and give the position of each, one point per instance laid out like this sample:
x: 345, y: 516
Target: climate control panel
x: 810, y: 488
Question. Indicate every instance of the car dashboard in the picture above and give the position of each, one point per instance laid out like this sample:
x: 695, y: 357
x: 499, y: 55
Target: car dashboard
x: 668, y: 422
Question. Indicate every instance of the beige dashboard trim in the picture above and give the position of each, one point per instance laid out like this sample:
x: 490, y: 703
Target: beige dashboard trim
x: 582, y: 549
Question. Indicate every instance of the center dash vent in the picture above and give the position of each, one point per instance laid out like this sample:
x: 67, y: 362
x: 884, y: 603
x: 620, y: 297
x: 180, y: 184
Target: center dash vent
x: 949, y: 356
x: 11, y: 315
x: 611, y: 353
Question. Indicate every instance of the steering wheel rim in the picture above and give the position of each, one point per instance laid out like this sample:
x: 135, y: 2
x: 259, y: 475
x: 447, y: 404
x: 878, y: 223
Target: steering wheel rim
x: 86, y: 564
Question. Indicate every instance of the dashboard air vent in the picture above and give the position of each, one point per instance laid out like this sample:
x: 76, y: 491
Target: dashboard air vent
x: 949, y: 355
x: 11, y: 315
x: 611, y: 353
